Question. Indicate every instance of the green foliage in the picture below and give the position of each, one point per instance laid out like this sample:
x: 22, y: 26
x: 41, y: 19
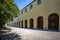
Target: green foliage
x: 8, y: 10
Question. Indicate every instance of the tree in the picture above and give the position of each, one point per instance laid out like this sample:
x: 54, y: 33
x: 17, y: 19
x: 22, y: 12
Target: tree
x: 8, y: 10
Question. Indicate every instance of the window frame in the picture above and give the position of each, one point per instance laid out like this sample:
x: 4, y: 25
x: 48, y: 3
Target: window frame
x: 31, y: 6
x: 22, y: 12
x: 25, y: 9
x: 38, y: 2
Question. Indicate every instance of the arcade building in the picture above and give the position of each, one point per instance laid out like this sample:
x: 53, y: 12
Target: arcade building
x: 41, y: 14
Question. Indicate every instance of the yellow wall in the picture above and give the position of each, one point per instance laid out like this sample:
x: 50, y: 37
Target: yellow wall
x: 46, y: 8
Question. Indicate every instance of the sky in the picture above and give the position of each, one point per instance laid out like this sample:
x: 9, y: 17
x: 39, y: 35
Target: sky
x: 22, y: 3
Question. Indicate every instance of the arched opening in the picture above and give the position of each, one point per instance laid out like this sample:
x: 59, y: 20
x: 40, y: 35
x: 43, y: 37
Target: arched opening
x: 40, y: 22
x: 22, y: 24
x: 19, y: 23
x: 31, y: 23
x: 25, y: 23
x: 53, y: 22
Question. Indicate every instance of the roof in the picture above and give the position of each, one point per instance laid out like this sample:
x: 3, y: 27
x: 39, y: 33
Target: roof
x: 28, y: 4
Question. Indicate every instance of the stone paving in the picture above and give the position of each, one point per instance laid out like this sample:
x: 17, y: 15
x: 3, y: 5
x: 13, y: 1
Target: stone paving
x: 30, y: 34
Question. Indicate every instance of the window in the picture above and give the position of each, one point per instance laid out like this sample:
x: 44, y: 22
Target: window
x: 22, y: 12
x: 25, y: 23
x: 22, y: 24
x: 31, y: 23
x: 25, y: 9
x: 38, y: 2
x: 19, y: 23
x: 31, y: 6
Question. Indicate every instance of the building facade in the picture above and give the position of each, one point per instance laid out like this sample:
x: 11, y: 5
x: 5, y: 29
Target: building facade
x: 41, y: 14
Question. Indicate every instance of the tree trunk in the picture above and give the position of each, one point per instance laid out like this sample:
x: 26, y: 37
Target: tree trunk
x: 1, y: 26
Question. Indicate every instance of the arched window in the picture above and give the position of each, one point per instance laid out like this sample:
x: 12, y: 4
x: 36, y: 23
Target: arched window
x: 31, y: 6
x: 40, y: 22
x: 53, y: 22
x: 25, y: 9
x: 31, y: 23
x: 19, y: 23
x: 22, y: 24
x: 38, y: 2
x: 25, y: 23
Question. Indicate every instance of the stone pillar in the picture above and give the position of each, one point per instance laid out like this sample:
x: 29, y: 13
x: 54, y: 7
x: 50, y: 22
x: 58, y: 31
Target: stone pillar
x: 28, y: 24
x: 45, y: 23
x: 35, y: 23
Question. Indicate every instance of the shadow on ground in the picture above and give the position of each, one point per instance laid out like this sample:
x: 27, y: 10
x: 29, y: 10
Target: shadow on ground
x: 9, y: 36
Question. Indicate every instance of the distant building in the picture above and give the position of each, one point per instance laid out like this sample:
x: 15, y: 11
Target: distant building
x: 41, y: 14
x: 13, y: 23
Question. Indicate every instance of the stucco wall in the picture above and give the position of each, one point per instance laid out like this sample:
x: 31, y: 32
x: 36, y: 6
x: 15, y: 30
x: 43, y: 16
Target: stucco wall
x: 46, y: 8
